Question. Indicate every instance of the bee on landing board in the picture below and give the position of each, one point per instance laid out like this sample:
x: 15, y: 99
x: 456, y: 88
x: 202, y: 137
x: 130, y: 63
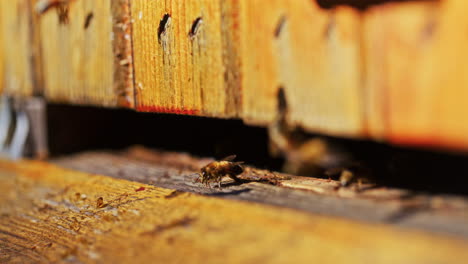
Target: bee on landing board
x: 216, y: 170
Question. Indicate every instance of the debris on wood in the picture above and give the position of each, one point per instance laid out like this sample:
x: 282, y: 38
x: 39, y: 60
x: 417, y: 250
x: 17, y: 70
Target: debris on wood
x: 184, y: 222
x: 173, y: 194
x: 140, y: 189
x: 100, y: 203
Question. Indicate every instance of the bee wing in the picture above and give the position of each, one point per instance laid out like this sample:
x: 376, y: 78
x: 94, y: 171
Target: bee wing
x: 238, y: 162
x: 229, y: 158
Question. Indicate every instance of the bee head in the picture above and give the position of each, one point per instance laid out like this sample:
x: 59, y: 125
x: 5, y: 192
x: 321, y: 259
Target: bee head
x: 200, y: 176
x: 237, y: 169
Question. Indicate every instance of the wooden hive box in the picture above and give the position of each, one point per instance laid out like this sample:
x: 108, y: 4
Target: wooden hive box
x: 390, y: 71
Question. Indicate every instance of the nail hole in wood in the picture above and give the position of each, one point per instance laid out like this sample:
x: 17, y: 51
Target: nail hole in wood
x: 163, y: 25
x: 429, y: 29
x: 88, y: 19
x: 281, y: 100
x: 280, y: 26
x: 62, y: 12
x: 327, y: 32
x: 195, y: 27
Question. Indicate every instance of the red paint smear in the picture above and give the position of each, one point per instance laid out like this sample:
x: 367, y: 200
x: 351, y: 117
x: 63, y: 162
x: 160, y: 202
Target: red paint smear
x: 140, y: 189
x: 168, y: 110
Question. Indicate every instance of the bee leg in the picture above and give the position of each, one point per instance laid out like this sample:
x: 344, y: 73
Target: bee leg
x: 219, y: 183
x: 199, y: 179
x: 234, y: 178
x: 204, y: 181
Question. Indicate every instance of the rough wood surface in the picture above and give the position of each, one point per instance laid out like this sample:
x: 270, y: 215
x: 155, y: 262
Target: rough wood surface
x: 393, y: 71
x: 313, y: 54
x: 86, y: 53
x: 50, y: 214
x: 227, y: 59
x: 414, y: 54
x: 180, y: 61
x: 436, y: 213
x: 17, y: 63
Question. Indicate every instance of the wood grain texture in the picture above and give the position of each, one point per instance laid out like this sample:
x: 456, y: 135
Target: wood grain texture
x: 17, y: 48
x: 202, y: 74
x: 55, y: 215
x: 179, y: 58
x: 313, y: 54
x: 393, y: 72
x: 86, y: 53
x: 444, y: 214
x: 415, y: 56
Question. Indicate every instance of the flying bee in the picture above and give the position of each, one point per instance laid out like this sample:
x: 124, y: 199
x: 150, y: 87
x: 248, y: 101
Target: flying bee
x: 216, y: 170
x: 346, y: 178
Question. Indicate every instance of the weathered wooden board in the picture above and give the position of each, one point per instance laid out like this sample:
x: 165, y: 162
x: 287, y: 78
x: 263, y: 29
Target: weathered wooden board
x: 238, y: 58
x: 183, y: 57
x: 393, y: 71
x: 86, y: 48
x: 446, y: 214
x: 416, y: 72
x: 313, y: 54
x: 55, y: 215
x: 18, y: 67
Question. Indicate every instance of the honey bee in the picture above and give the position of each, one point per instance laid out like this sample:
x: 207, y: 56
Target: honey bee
x: 216, y: 170
x: 346, y: 178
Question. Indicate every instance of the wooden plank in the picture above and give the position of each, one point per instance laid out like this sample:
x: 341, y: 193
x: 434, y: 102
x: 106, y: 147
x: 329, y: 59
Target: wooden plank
x: 226, y: 59
x: 446, y: 214
x: 54, y: 215
x: 415, y: 56
x: 313, y: 54
x: 86, y: 47
x: 180, y: 61
x: 17, y: 39
x: 192, y: 75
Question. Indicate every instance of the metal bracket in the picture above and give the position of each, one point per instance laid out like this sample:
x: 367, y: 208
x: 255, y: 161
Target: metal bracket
x: 23, y: 128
